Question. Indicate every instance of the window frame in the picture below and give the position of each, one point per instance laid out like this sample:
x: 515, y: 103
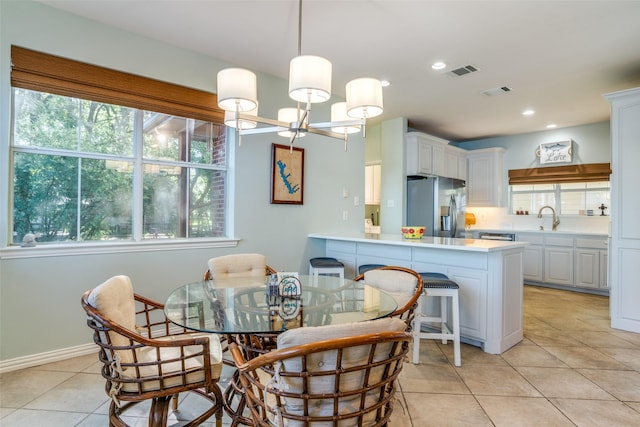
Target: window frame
x: 51, y: 74
x: 557, y: 191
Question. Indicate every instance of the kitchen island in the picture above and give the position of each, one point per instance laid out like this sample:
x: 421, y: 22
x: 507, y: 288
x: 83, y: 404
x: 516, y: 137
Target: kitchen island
x: 488, y: 272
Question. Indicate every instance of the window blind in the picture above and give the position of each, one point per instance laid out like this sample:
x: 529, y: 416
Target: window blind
x: 561, y: 174
x: 61, y: 76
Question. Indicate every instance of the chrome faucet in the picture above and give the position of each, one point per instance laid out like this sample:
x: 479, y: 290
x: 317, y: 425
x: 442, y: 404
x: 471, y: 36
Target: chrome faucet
x: 556, y: 219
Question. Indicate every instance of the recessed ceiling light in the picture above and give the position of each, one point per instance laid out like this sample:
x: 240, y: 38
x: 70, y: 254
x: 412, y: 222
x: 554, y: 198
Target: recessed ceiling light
x: 528, y: 112
x: 551, y: 125
x: 385, y: 83
x: 438, y: 65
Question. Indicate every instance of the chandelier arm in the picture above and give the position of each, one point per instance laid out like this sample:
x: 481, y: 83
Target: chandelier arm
x: 354, y: 122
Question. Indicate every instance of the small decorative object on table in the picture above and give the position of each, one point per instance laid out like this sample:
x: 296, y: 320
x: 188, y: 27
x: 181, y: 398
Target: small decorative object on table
x: 413, y: 231
x: 290, y: 301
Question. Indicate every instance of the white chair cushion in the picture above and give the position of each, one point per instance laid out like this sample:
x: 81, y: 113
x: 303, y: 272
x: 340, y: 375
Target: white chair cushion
x: 238, y: 265
x: 399, y: 284
x: 114, y: 299
x: 148, y: 354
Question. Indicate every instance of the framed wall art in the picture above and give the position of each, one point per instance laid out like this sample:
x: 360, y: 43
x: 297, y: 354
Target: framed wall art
x: 555, y: 152
x: 287, y: 175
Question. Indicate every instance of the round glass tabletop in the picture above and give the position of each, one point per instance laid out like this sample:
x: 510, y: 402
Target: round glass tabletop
x: 243, y: 306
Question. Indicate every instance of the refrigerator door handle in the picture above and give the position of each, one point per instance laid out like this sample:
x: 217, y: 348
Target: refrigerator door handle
x: 453, y: 212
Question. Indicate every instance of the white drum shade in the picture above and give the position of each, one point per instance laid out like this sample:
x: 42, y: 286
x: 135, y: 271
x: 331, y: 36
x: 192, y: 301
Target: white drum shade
x: 339, y: 114
x: 309, y: 79
x: 289, y: 115
x: 230, y: 119
x: 237, y: 90
x: 364, y: 98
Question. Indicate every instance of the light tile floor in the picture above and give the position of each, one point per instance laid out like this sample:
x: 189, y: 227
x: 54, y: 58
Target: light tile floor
x: 571, y: 369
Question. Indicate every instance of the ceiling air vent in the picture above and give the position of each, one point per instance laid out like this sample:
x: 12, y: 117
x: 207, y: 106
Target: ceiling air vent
x: 497, y: 91
x: 459, y: 72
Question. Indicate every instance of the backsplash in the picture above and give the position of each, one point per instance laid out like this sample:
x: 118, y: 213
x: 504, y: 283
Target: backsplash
x: 499, y: 219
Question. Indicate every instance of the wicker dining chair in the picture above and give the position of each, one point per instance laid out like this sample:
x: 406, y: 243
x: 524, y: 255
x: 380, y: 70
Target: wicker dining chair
x: 337, y: 375
x: 403, y: 284
x: 237, y: 265
x: 145, y: 357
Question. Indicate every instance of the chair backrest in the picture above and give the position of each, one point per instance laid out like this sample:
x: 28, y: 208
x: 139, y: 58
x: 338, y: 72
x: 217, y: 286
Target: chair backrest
x: 317, y: 374
x: 403, y: 284
x: 237, y: 265
x: 114, y: 300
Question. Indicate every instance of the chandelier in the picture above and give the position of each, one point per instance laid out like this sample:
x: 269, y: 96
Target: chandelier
x: 309, y: 83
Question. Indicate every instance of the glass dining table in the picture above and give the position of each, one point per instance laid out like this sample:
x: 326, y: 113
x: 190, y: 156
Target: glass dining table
x: 241, y: 305
x: 245, y: 310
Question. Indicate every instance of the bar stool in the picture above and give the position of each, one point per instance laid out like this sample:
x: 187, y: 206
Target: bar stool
x: 366, y: 267
x: 325, y: 266
x: 438, y: 285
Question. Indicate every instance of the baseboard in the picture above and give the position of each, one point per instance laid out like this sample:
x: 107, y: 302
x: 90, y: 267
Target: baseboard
x: 47, y: 357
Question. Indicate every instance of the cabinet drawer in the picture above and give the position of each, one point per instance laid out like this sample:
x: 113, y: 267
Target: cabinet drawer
x: 534, y: 240
x: 385, y: 251
x: 591, y: 243
x: 559, y: 241
x: 340, y: 246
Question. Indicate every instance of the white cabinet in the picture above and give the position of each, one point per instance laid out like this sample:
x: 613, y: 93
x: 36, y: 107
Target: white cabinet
x: 372, y: 182
x: 428, y: 155
x: 532, y: 258
x: 455, y: 163
x: 591, y: 263
x: 485, y: 186
x: 558, y: 265
x: 565, y: 260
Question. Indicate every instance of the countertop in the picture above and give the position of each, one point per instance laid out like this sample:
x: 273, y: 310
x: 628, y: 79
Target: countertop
x: 446, y: 243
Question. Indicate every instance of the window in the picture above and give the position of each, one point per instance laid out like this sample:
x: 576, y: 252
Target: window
x: 96, y: 165
x: 575, y: 198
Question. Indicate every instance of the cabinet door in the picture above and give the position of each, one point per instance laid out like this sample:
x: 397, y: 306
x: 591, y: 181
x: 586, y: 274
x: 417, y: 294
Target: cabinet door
x: 377, y: 182
x: 451, y: 164
x: 462, y: 167
x: 372, y: 181
x: 532, y: 263
x: 558, y: 265
x: 473, y: 301
x: 484, y: 179
x: 588, y: 268
x: 425, y: 158
x: 368, y: 185
x: 604, y: 269
x: 437, y: 159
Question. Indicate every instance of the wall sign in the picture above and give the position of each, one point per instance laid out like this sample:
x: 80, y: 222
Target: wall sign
x: 555, y: 152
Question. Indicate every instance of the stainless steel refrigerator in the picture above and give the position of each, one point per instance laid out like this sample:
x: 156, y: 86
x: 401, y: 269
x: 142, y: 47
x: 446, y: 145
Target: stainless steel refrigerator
x: 437, y: 203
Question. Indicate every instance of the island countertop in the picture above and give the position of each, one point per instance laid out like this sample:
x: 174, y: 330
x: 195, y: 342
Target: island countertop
x: 488, y: 272
x: 446, y: 243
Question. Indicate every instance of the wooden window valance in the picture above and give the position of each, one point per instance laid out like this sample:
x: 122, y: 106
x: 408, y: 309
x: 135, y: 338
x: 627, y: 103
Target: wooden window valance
x: 53, y: 74
x: 561, y: 174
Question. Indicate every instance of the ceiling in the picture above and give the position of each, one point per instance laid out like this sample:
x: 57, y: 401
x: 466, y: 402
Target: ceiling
x: 558, y: 57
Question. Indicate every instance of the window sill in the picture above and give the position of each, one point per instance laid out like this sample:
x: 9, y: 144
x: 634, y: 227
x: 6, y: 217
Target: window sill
x: 97, y: 248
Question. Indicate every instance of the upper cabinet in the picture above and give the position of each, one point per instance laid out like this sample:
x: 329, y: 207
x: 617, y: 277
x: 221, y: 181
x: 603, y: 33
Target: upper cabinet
x: 429, y: 155
x: 485, y: 185
x: 372, y: 181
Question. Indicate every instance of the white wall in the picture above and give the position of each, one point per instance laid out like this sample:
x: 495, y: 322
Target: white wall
x: 591, y: 144
x: 40, y: 296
